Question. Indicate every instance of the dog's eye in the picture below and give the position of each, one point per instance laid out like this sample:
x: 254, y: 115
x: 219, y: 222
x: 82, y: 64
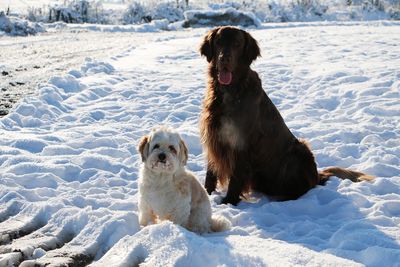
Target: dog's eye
x: 172, y: 149
x: 156, y: 146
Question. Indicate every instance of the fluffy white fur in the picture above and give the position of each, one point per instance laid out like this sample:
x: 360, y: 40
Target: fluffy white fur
x: 167, y: 191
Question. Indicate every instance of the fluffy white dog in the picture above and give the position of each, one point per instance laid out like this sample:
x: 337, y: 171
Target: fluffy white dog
x: 167, y: 191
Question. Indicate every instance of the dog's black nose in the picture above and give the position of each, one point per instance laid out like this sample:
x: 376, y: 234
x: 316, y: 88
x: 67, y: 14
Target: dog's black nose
x: 162, y: 156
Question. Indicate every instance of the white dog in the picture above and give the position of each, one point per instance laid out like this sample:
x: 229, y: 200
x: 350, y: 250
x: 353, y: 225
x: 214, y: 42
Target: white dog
x: 167, y: 191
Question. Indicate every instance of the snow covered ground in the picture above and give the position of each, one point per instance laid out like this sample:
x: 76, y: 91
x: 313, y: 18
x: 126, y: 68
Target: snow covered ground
x: 26, y: 62
x: 69, y: 166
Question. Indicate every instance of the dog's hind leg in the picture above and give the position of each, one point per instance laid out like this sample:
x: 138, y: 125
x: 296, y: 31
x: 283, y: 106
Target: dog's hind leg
x: 178, y: 212
x: 298, y: 172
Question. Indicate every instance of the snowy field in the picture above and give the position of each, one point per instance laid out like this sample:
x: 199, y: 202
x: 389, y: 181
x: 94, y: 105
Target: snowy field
x: 31, y: 60
x: 69, y: 165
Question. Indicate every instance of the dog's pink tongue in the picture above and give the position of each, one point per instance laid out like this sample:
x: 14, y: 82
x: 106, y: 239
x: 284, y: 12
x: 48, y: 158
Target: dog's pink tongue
x: 225, y: 77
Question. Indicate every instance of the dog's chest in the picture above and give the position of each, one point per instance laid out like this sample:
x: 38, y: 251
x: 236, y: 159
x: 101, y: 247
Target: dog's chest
x: 160, y: 192
x: 164, y: 198
x: 229, y: 131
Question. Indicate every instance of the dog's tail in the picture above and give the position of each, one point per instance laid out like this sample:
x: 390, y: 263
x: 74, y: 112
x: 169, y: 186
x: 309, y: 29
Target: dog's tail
x: 220, y: 223
x: 354, y: 176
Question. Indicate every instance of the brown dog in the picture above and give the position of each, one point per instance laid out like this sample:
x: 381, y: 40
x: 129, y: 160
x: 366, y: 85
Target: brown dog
x: 245, y: 138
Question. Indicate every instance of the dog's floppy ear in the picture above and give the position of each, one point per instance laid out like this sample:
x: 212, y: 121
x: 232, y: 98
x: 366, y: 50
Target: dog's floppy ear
x: 251, y: 48
x: 183, y: 152
x: 143, y: 148
x: 206, y: 47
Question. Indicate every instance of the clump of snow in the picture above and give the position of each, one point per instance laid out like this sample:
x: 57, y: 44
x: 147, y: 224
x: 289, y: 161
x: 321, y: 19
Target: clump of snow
x: 229, y: 16
x: 92, y: 66
x: 18, y: 27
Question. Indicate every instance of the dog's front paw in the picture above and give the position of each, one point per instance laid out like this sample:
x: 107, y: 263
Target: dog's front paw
x: 230, y: 200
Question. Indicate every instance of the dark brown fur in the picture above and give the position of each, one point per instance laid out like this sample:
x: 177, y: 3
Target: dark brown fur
x: 246, y: 140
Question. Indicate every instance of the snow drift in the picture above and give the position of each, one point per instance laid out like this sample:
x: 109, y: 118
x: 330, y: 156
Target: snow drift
x: 18, y: 27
